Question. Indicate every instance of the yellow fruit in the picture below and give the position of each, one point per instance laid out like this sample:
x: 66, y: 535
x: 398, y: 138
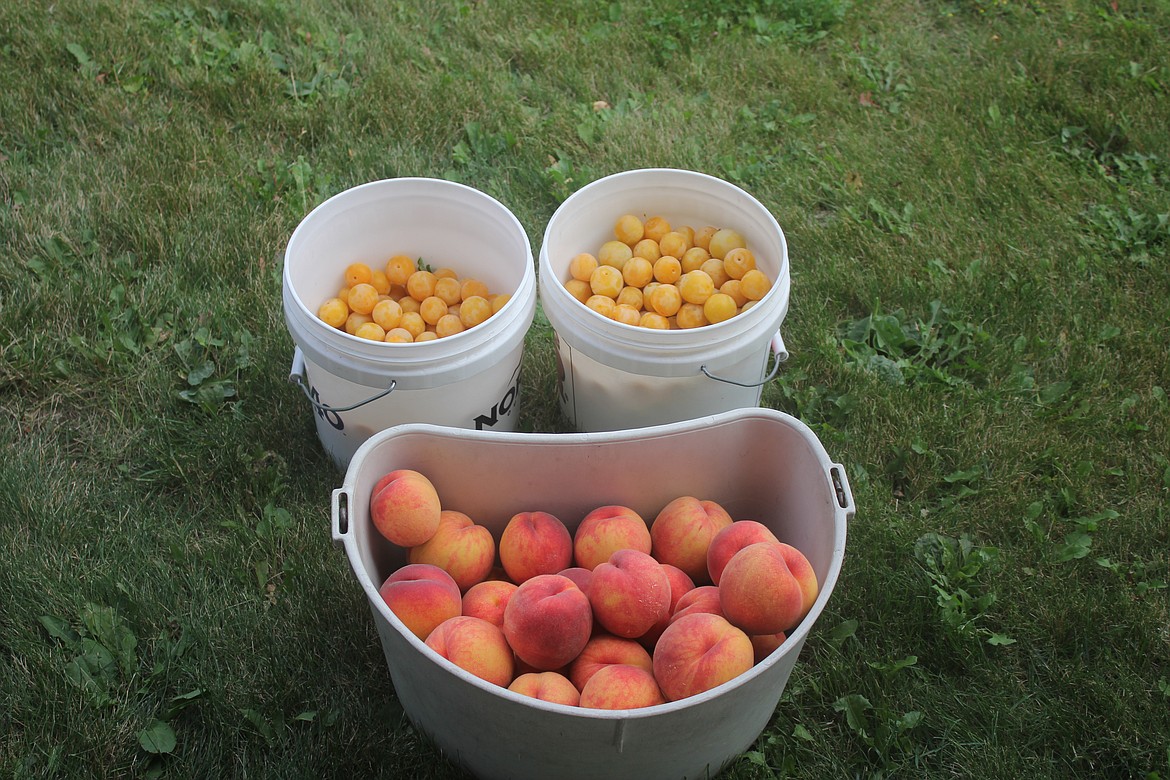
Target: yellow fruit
x: 667, y: 269
x: 448, y: 325
x: 449, y: 289
x: 714, y: 268
x: 674, y: 244
x: 614, y: 253
x: 647, y: 249
x: 665, y: 300
x: 355, y: 321
x: 380, y: 281
x: 602, y: 304
x: 357, y: 273
x: 432, y: 309
x: 362, y: 298
x: 724, y: 241
x: 372, y: 331
x: 732, y: 287
x: 628, y: 229
x: 696, y: 287
x: 399, y: 336
x: 399, y: 268
x: 473, y: 288
x: 421, y: 285
x: 474, y: 311
x: 691, y: 316
x: 755, y: 284
x: 694, y: 258
x: 334, y: 312
x: 413, y: 322
x: 582, y: 266
x: 719, y: 307
x: 606, y: 280
x: 631, y: 296
x: 655, y: 228
x: 703, y: 236
x: 637, y: 272
x: 387, y: 313
x: 651, y: 319
x: 579, y: 289
x: 738, y: 262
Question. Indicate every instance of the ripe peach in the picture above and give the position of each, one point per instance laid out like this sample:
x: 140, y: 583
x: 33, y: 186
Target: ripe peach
x: 629, y: 593
x: 682, y: 532
x: 758, y: 593
x: 606, y: 530
x: 487, y: 600
x: 463, y: 549
x: 476, y: 646
x: 763, y: 645
x: 704, y: 599
x: 605, y: 650
x: 548, y: 621
x: 422, y: 596
x: 680, y: 584
x: 621, y: 687
x: 405, y: 507
x: 535, y: 543
x: 731, y: 540
x: 580, y: 576
x: 698, y: 652
x: 802, y: 570
x: 547, y: 686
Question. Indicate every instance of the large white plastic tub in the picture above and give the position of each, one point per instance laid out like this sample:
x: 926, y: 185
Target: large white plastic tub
x: 760, y: 464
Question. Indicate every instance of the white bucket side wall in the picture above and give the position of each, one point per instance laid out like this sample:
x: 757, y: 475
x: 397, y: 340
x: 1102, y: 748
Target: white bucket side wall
x: 490, y: 402
x: 598, y: 397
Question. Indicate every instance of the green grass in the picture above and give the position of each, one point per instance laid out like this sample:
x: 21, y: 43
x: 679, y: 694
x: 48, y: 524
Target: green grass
x: 976, y: 195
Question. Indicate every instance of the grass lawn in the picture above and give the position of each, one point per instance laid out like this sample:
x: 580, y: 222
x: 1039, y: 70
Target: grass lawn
x: 976, y: 196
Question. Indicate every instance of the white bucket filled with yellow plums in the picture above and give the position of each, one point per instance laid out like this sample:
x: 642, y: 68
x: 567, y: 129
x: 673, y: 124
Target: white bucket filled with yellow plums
x: 666, y: 290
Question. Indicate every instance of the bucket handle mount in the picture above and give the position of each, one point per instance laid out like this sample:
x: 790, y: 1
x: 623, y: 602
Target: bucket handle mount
x: 296, y: 375
x: 778, y: 350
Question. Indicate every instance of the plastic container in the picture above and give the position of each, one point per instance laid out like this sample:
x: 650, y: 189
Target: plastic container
x: 758, y: 463
x: 614, y: 376
x: 358, y: 387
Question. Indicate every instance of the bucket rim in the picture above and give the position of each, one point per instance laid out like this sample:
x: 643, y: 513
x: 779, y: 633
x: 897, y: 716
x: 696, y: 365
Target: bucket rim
x: 400, y: 181
x: 373, y: 363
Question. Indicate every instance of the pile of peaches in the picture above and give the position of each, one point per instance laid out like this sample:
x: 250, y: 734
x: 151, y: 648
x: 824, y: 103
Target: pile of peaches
x: 620, y: 614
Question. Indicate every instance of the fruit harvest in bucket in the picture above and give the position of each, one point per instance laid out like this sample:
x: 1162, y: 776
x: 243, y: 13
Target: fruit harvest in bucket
x: 620, y: 614
x: 655, y: 275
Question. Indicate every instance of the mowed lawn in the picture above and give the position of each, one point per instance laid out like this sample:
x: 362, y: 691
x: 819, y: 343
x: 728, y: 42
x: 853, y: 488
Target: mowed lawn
x: 976, y: 199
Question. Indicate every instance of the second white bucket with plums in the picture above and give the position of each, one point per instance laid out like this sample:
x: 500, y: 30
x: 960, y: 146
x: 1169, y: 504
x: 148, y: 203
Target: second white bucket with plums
x: 358, y: 387
x: 614, y: 376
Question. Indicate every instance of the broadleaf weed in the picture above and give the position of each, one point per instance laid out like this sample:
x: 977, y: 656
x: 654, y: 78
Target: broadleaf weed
x: 953, y: 566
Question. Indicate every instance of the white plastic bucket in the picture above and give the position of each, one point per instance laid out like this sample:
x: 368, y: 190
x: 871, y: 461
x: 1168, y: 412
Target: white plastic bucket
x: 359, y: 387
x: 614, y: 376
x: 757, y: 463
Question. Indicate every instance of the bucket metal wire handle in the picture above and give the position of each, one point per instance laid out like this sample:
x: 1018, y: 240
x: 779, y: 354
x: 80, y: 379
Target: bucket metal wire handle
x: 779, y: 351
x: 296, y: 375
